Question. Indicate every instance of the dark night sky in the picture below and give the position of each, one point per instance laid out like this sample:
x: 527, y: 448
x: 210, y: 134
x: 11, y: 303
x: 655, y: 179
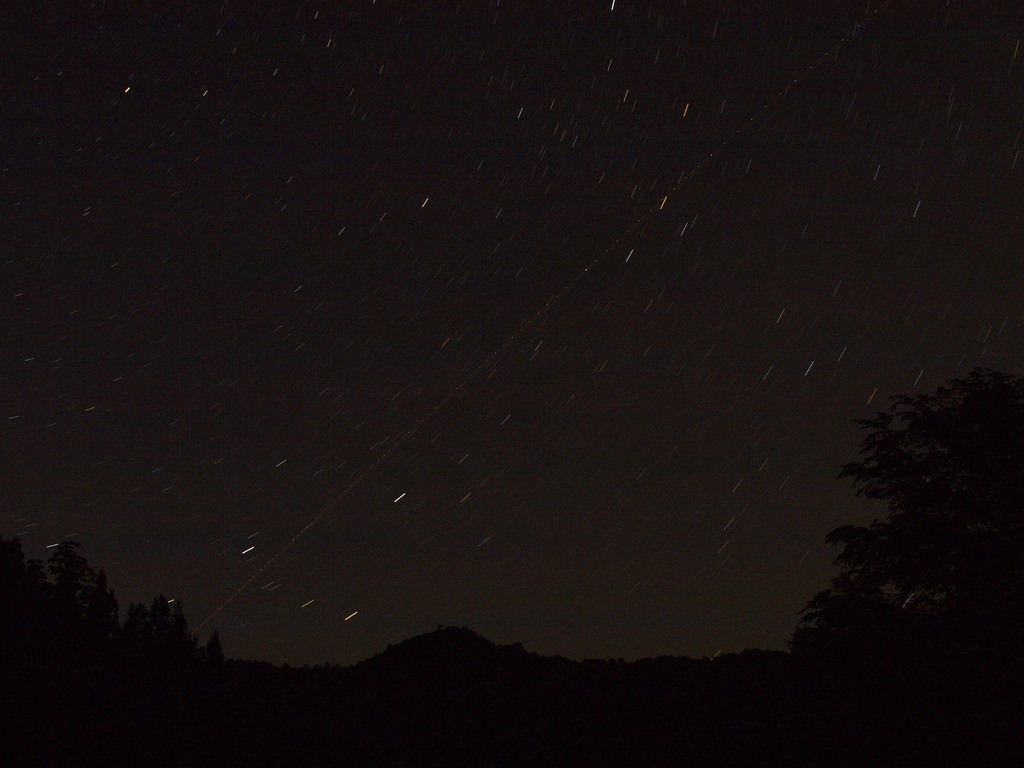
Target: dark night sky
x: 553, y: 316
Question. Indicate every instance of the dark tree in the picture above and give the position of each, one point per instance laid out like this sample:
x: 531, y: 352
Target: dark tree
x: 71, y: 581
x: 214, y: 652
x: 137, y: 632
x: 179, y: 641
x: 159, y: 631
x: 101, y: 612
x: 22, y: 599
x: 944, y: 571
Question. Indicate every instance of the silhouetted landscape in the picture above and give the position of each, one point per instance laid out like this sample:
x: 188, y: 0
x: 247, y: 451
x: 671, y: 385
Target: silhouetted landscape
x: 912, y: 656
x: 540, y: 322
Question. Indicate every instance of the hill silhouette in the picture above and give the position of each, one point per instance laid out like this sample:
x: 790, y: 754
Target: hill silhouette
x: 446, y: 645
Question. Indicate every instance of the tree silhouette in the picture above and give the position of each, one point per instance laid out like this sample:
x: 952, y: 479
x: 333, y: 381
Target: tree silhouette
x: 945, y: 570
x: 214, y: 652
x: 159, y: 631
x: 175, y: 635
x: 72, y: 579
x: 22, y: 599
x: 101, y: 612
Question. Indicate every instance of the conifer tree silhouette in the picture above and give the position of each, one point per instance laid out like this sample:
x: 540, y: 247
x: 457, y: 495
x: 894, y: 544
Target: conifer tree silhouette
x: 214, y: 652
x: 101, y: 612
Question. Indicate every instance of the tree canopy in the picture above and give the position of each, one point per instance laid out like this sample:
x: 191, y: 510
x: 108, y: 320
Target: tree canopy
x: 945, y: 569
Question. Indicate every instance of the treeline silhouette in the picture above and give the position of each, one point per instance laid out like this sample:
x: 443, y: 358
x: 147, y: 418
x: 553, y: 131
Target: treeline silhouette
x: 62, y: 610
x: 911, y: 657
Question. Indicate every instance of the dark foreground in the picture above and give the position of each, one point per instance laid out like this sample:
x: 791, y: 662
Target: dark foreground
x: 452, y: 698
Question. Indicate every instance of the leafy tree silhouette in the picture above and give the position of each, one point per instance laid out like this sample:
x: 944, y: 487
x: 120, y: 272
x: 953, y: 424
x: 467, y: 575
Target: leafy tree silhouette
x: 944, y: 572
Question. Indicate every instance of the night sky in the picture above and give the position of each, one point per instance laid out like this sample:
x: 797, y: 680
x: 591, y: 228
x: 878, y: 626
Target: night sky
x: 339, y: 321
